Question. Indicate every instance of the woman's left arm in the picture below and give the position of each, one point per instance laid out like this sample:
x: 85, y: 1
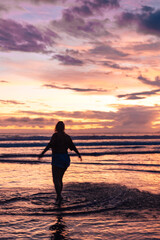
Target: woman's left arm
x: 73, y: 147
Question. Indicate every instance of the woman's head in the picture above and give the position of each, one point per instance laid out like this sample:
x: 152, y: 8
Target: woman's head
x: 60, y: 127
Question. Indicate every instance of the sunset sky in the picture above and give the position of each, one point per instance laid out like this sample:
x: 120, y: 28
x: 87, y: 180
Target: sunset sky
x: 94, y: 64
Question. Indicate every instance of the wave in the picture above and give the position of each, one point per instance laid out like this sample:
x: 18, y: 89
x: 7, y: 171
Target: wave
x: 113, y: 143
x: 79, y: 198
x: 105, y: 162
x: 95, y: 163
x: 16, y: 158
x: 21, y: 137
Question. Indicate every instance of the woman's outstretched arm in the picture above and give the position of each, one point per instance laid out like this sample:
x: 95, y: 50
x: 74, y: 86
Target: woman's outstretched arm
x: 73, y: 147
x: 76, y: 151
x: 45, y: 150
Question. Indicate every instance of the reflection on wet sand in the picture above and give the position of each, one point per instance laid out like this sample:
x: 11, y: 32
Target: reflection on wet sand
x: 59, y: 229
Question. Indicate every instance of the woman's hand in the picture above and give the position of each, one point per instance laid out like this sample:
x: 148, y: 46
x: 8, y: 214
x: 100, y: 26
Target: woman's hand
x: 40, y: 156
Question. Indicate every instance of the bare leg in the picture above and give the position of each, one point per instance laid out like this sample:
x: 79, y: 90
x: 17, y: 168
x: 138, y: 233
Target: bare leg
x: 57, y: 179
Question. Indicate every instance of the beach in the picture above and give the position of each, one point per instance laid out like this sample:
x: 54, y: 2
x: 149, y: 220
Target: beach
x: 112, y: 194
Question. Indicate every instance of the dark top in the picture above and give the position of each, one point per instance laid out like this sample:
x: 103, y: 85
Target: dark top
x: 60, y: 142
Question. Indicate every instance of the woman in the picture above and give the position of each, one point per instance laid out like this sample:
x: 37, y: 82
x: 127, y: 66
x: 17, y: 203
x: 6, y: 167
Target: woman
x: 59, y: 143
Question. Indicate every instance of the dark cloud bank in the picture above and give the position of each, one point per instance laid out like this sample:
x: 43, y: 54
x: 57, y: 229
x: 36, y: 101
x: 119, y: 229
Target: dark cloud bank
x: 147, y: 21
x: 126, y: 119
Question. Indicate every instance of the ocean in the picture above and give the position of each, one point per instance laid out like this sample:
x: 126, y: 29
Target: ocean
x: 113, y: 193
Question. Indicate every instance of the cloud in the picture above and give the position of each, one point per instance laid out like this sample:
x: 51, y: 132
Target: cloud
x: 27, y: 122
x: 107, y: 51
x: 68, y: 60
x: 89, y: 8
x: 125, y: 119
x: 147, y: 21
x: 101, y: 115
x: 10, y: 5
x: 3, y: 81
x: 24, y: 37
x: 46, y: 1
x: 115, y: 65
x: 77, y: 26
x: 97, y: 115
x: 4, y: 8
x: 36, y: 2
x: 133, y: 97
x: 153, y: 46
x: 67, y: 87
x: 26, y: 112
x: 74, y: 19
x: 145, y: 80
x: 147, y: 9
x: 10, y: 102
x: 138, y: 95
x: 135, y: 119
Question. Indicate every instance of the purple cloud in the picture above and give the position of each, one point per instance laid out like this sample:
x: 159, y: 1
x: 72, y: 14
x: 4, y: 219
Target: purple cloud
x: 115, y: 65
x: 137, y: 118
x: 133, y: 97
x: 75, y: 89
x: 139, y: 95
x: 147, y: 21
x: 99, y: 4
x: 75, y: 114
x: 4, y: 8
x: 83, y: 10
x: 79, y: 27
x: 42, y: 1
x: 107, y: 51
x: 89, y: 8
x: 24, y: 37
x: 147, y: 8
x: 27, y: 122
x: 145, y: 80
x: 152, y: 46
x: 46, y: 1
x: 68, y: 60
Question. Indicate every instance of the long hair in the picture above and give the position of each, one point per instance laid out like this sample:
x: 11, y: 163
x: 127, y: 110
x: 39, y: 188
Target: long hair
x: 60, y: 127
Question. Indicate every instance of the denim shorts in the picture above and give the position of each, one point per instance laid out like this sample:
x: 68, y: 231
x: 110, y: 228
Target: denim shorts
x: 61, y: 160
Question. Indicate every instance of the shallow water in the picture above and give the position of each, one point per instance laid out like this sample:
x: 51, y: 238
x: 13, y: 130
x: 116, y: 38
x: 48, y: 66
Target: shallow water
x: 97, y: 226
x: 88, y: 211
x: 107, y: 196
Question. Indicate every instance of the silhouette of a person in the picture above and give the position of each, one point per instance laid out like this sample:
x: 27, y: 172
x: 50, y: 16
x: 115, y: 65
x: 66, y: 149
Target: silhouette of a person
x: 59, y: 143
